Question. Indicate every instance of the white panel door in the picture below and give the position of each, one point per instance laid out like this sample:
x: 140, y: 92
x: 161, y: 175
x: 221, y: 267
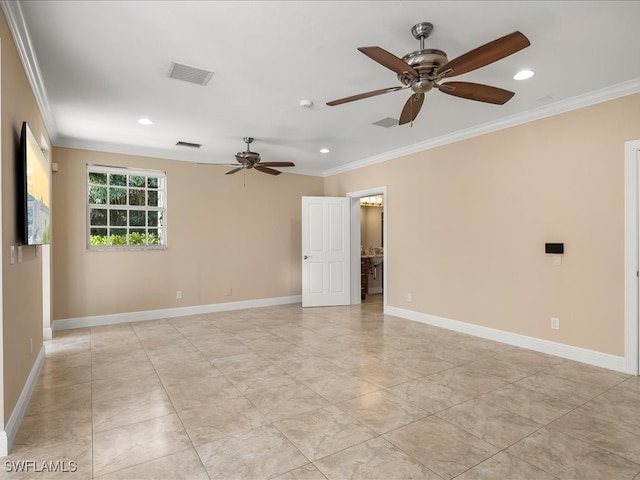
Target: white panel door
x: 326, y: 274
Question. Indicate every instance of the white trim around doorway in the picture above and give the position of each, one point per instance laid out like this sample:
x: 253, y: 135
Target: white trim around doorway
x: 631, y: 247
x: 355, y: 241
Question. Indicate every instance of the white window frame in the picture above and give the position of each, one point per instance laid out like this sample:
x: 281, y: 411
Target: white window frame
x: 161, y: 208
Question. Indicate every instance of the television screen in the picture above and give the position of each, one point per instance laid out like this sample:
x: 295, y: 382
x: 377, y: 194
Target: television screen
x: 35, y: 180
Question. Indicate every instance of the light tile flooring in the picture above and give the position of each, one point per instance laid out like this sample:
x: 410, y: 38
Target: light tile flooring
x: 336, y: 393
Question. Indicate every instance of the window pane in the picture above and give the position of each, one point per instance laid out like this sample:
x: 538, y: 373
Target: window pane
x: 152, y: 219
x: 152, y: 182
x: 117, y: 196
x: 136, y: 197
x: 137, y: 236
x: 99, y: 178
x: 136, y: 218
x: 97, y: 195
x: 98, y: 216
x: 153, y: 237
x: 153, y: 198
x: 118, y: 236
x: 120, y: 180
x: 136, y: 181
x: 98, y: 236
x: 118, y: 218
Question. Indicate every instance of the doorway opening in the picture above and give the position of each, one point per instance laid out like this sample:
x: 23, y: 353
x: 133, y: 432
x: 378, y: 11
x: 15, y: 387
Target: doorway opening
x: 371, y: 248
x: 369, y: 243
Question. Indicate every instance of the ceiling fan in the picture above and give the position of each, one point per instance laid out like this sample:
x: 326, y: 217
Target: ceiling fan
x: 424, y: 69
x: 249, y: 159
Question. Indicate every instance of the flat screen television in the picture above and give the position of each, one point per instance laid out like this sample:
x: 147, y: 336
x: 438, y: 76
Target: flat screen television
x: 34, y: 191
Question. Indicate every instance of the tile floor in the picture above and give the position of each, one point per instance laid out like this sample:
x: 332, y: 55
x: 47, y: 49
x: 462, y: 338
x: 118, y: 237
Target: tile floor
x: 335, y: 393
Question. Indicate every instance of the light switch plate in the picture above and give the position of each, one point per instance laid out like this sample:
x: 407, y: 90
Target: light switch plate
x: 19, y: 253
x: 13, y: 255
x: 557, y: 260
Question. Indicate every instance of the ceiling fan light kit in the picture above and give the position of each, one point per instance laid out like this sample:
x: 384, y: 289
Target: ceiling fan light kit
x: 424, y: 69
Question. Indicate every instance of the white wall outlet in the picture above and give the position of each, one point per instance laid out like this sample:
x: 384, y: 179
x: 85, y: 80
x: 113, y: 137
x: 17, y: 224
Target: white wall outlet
x: 555, y: 323
x: 179, y: 294
x: 557, y: 260
x: 409, y: 297
x: 19, y: 253
x: 31, y: 345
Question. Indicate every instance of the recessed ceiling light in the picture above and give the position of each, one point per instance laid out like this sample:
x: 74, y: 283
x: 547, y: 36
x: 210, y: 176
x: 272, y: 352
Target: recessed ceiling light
x: 324, y: 150
x: 145, y: 121
x: 523, y: 75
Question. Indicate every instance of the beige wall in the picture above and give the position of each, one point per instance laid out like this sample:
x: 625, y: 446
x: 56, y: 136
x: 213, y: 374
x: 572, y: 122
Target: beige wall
x: 21, y: 312
x: 467, y: 223
x: 220, y: 233
x: 466, y: 227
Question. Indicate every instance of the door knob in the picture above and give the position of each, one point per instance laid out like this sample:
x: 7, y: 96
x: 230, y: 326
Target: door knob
x: 306, y: 256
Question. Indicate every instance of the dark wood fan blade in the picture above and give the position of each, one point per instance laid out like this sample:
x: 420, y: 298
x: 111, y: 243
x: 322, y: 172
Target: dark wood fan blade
x: 234, y: 170
x: 277, y: 164
x: 270, y: 171
x: 411, y: 108
x: 486, y: 54
x: 360, y: 96
x: 477, y: 91
x: 217, y: 164
x: 389, y: 60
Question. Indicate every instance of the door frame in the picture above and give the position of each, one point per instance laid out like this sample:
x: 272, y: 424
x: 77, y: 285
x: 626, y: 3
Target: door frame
x: 631, y: 256
x: 355, y: 242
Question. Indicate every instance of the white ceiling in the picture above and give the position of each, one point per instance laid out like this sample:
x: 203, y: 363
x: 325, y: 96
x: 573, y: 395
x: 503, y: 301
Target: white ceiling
x: 100, y: 66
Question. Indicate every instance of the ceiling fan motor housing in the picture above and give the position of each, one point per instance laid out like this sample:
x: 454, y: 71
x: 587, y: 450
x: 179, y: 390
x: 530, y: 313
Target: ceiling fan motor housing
x: 250, y: 158
x: 426, y: 62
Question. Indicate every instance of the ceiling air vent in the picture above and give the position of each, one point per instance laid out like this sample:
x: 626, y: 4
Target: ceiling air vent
x: 386, y: 122
x: 189, y: 144
x: 189, y: 74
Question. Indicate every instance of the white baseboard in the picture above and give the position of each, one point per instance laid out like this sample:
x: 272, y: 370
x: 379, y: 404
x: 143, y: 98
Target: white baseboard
x: 591, y: 357
x: 9, y: 434
x: 578, y: 354
x: 97, y: 320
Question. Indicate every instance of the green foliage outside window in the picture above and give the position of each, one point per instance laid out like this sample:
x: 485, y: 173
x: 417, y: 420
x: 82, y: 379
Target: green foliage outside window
x: 125, y: 209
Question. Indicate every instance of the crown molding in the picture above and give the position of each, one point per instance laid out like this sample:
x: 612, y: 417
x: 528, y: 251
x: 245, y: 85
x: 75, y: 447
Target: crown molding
x: 77, y: 144
x: 15, y: 19
x: 13, y: 13
x: 580, y: 101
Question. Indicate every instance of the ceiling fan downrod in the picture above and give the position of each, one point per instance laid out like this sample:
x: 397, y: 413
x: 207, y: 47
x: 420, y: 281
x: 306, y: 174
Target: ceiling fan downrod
x: 248, y: 141
x: 421, y: 31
